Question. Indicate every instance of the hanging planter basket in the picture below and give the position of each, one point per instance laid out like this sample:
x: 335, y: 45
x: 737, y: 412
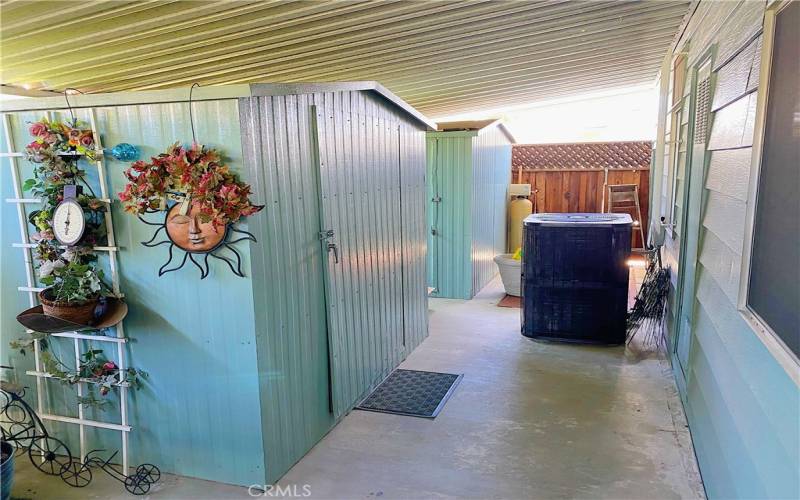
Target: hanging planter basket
x: 75, y: 312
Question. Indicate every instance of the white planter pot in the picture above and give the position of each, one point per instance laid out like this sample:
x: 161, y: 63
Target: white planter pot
x: 510, y: 271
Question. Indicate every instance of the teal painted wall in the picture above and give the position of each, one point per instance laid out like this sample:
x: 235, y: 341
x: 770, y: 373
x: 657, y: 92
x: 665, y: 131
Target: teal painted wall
x: 470, y: 172
x: 742, y: 406
x: 199, y: 412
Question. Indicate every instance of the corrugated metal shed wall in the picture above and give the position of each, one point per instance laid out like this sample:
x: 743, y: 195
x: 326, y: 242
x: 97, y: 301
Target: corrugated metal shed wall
x: 470, y: 172
x: 289, y: 306
x: 183, y: 327
x: 449, y: 178
x: 375, y: 172
x: 742, y: 406
x: 491, y: 173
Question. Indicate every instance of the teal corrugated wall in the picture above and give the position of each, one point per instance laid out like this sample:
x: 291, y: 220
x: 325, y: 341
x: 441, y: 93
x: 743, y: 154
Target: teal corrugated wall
x: 370, y: 160
x: 742, y: 406
x: 449, y: 177
x: 199, y: 412
x: 491, y: 174
x: 470, y: 173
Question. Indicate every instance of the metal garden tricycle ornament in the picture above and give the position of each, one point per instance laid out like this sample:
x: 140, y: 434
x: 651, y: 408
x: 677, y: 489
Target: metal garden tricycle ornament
x: 24, y: 429
x: 202, y: 200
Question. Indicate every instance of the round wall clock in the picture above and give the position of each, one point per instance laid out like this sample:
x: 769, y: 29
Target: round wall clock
x: 68, y: 222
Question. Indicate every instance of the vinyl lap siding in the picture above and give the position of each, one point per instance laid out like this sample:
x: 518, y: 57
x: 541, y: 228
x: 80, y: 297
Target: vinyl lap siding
x: 741, y: 405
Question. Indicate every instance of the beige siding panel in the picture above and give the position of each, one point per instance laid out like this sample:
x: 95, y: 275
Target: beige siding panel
x: 742, y: 26
x: 727, y: 131
x: 725, y: 217
x: 704, y: 26
x: 722, y: 263
x: 750, y: 122
x: 729, y: 172
x: 732, y: 78
x: 755, y: 72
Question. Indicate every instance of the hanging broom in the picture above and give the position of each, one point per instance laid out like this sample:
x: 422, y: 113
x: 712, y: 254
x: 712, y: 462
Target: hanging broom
x: 649, y: 308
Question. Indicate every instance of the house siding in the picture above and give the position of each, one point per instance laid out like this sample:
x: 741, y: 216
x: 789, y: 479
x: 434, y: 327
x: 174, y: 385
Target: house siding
x: 741, y: 404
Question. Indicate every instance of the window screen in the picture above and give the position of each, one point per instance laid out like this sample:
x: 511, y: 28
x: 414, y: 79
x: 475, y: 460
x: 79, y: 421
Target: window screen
x: 775, y: 260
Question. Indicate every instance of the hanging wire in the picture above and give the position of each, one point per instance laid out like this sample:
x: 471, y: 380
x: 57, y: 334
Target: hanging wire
x: 191, y: 115
x: 69, y: 106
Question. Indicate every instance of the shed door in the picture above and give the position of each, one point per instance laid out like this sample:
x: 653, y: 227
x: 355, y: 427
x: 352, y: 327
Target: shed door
x: 359, y: 189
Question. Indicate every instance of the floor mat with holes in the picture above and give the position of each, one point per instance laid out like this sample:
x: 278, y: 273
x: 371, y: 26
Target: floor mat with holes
x: 412, y: 392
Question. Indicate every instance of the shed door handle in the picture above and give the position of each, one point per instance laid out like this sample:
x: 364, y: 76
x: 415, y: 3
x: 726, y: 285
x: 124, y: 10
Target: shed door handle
x: 332, y: 246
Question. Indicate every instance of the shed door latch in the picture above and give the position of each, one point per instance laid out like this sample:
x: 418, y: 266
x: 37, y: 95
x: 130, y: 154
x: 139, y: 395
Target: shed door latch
x: 333, y: 248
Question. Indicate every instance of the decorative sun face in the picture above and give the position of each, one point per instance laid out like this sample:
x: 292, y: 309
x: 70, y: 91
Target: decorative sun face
x: 198, y: 240
x: 189, y: 233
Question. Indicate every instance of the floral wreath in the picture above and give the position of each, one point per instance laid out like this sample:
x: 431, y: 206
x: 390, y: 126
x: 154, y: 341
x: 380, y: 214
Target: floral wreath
x: 196, y: 173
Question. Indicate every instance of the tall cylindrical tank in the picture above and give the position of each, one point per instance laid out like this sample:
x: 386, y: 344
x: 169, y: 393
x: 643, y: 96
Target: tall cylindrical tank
x: 519, y: 208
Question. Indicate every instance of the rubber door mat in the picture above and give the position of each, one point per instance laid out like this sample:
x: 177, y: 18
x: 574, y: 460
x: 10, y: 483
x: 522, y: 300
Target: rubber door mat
x: 412, y: 392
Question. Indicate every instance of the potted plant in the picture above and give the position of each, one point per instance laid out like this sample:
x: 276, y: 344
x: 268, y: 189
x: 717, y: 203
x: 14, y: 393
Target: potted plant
x: 73, y: 292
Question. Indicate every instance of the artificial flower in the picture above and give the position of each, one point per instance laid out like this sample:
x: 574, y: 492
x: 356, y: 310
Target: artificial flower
x: 195, y: 172
x: 38, y: 129
x: 48, y: 267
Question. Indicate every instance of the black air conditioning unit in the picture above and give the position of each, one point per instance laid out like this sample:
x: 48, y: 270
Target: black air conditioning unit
x: 575, y: 277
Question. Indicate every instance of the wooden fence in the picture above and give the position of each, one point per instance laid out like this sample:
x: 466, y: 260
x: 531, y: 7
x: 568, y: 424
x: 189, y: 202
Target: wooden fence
x: 583, y: 190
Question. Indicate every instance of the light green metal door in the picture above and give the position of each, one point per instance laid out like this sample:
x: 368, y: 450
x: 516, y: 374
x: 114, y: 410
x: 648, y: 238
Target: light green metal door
x: 359, y: 189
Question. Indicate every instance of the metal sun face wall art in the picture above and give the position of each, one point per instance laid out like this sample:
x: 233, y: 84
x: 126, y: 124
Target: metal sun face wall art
x: 202, y: 199
x: 197, y: 239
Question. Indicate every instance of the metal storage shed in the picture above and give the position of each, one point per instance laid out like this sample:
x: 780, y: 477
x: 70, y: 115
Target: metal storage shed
x: 469, y: 170
x: 273, y: 360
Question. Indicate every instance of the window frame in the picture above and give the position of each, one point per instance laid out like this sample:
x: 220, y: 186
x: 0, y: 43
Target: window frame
x: 774, y: 344
x: 679, y: 69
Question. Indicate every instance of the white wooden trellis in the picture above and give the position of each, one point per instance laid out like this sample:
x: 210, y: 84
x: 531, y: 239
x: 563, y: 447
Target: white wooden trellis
x: 31, y: 289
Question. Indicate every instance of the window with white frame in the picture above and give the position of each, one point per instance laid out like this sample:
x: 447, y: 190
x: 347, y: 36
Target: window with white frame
x: 771, y: 276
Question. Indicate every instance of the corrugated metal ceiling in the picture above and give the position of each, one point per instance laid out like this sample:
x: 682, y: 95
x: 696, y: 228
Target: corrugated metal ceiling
x: 443, y: 57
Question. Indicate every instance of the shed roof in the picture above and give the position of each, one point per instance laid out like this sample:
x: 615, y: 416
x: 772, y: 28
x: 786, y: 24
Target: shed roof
x: 477, y: 127
x: 211, y: 93
x: 582, y: 156
x: 445, y: 58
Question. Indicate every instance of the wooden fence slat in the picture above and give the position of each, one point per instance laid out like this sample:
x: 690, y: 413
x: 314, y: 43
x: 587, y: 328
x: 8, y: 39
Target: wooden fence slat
x: 583, y: 190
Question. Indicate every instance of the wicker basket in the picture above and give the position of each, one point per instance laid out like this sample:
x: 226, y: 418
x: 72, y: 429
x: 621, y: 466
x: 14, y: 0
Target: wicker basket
x: 76, y: 312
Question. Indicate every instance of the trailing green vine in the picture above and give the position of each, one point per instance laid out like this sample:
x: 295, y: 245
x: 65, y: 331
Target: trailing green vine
x: 94, y: 368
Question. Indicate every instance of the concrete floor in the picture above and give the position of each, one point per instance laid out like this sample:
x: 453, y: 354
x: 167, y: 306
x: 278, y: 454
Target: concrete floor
x: 529, y: 420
